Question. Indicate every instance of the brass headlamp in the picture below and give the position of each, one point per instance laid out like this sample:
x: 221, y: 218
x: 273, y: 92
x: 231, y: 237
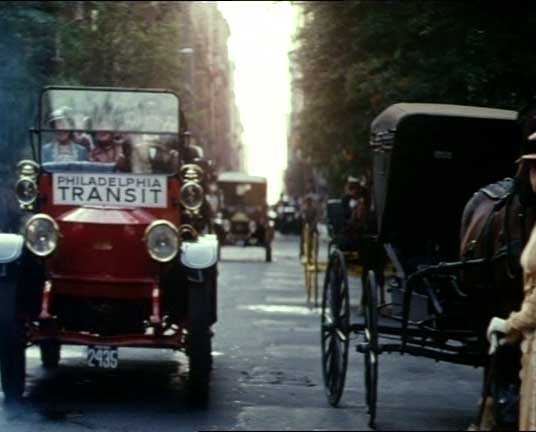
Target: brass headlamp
x: 26, y: 187
x: 192, y: 193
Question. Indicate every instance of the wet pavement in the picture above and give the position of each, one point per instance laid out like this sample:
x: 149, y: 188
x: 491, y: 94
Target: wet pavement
x: 267, y: 372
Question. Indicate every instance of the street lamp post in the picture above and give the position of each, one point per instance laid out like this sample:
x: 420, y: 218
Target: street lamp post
x: 189, y: 78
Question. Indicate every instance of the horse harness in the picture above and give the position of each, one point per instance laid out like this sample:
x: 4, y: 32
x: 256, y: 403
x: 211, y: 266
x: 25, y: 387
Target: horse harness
x: 503, y: 193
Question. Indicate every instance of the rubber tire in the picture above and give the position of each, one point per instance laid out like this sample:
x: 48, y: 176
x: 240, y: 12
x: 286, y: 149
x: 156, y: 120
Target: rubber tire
x: 12, y: 345
x: 268, y: 253
x: 50, y: 354
x: 200, y: 342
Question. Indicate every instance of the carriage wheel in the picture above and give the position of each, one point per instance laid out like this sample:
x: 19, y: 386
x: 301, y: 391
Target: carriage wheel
x: 335, y: 327
x: 371, y: 338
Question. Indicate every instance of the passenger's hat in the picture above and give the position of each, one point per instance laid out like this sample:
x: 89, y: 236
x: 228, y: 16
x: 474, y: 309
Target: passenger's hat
x: 353, y: 180
x: 64, y: 114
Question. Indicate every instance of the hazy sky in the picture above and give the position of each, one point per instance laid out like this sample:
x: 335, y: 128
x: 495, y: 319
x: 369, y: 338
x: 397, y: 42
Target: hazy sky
x: 261, y: 37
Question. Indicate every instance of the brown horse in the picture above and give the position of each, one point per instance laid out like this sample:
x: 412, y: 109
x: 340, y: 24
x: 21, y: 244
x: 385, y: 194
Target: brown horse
x: 496, y: 224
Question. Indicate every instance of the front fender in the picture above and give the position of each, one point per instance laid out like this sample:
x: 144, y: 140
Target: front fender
x: 200, y: 254
x: 11, y: 246
x: 22, y: 277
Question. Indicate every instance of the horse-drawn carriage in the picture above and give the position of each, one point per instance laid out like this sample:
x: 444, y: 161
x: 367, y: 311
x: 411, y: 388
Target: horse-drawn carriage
x: 428, y: 162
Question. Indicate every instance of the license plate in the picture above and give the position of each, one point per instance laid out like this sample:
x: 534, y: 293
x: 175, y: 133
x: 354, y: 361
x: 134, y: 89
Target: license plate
x: 102, y: 357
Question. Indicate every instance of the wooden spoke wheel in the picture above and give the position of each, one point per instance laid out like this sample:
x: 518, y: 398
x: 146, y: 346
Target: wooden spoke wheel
x: 335, y: 327
x: 371, y: 339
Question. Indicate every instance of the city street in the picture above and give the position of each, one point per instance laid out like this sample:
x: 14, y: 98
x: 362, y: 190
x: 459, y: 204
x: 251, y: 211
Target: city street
x: 267, y: 373
x: 138, y: 138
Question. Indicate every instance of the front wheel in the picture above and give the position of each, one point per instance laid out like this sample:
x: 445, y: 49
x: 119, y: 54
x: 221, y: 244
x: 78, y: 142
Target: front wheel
x: 50, y: 354
x: 268, y: 252
x: 200, y: 341
x: 12, y: 344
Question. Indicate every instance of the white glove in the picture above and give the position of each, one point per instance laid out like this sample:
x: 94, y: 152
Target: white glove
x: 496, y: 326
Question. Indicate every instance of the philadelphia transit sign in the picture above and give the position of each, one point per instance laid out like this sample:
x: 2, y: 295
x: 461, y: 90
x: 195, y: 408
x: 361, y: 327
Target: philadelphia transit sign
x: 115, y: 190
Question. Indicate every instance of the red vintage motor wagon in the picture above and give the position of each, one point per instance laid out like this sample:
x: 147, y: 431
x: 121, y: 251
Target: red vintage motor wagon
x: 108, y: 256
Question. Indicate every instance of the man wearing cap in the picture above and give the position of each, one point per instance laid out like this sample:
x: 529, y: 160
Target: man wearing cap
x: 109, y: 147
x: 63, y: 148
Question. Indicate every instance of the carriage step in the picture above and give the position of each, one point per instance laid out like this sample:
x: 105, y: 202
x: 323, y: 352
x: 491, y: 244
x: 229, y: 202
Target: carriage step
x: 364, y: 348
x: 357, y: 328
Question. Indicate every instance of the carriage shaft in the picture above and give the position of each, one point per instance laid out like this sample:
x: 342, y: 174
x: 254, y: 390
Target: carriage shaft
x: 419, y: 351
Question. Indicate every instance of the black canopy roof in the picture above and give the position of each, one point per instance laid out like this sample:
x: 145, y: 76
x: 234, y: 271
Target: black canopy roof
x: 428, y: 159
x: 391, y: 117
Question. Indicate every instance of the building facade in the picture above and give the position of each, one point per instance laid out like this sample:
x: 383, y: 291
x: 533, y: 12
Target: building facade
x: 214, y: 117
x: 198, y: 55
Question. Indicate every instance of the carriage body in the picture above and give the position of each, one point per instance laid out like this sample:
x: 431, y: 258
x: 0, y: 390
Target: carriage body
x: 111, y: 243
x: 428, y: 159
x: 427, y: 162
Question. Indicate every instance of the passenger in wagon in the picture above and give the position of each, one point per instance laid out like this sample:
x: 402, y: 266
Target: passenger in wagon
x: 353, y: 203
x: 63, y: 148
x: 82, y: 136
x: 109, y: 147
x: 149, y: 155
x: 153, y: 153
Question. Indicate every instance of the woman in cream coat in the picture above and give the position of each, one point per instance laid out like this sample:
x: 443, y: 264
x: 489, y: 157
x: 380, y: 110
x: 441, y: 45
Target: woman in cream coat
x: 522, y: 324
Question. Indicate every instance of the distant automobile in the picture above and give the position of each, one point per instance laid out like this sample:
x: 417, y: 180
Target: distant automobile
x: 108, y: 257
x: 288, y: 218
x: 243, y: 216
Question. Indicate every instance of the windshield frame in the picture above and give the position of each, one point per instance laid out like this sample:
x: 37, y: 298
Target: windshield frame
x: 237, y: 183
x: 39, y: 130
